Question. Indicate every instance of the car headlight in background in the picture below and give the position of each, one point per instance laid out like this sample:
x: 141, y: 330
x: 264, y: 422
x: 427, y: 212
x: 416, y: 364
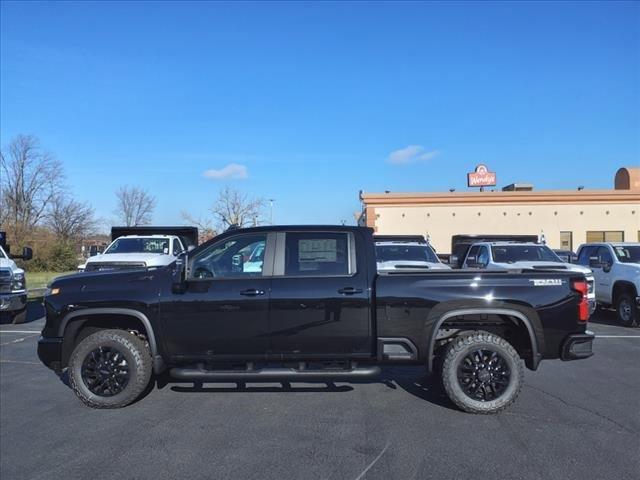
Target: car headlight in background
x: 51, y: 291
x: 17, y: 283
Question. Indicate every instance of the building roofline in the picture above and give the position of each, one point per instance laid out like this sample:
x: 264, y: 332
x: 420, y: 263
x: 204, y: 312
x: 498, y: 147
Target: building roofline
x: 500, y: 197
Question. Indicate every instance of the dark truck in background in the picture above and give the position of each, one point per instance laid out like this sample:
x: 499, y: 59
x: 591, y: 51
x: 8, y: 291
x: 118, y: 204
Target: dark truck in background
x: 310, y: 307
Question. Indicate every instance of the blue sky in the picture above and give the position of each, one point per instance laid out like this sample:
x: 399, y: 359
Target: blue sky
x: 307, y: 102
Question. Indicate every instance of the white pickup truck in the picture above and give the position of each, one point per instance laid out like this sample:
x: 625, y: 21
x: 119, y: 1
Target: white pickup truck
x: 526, y: 255
x: 13, y: 287
x: 616, y: 268
x: 406, y: 252
x: 142, y: 247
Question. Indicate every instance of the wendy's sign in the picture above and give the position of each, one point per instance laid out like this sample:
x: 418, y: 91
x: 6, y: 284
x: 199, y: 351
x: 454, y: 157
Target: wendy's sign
x: 482, y: 177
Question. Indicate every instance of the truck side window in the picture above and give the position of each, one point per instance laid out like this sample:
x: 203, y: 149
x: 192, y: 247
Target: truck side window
x: 233, y: 257
x: 177, y: 248
x: 604, y: 255
x: 585, y: 254
x: 317, y: 254
x: 483, y: 256
x: 473, y: 254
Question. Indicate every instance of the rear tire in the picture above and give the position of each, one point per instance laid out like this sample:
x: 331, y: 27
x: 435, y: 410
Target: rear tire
x: 482, y: 373
x: 626, y: 310
x: 110, y: 369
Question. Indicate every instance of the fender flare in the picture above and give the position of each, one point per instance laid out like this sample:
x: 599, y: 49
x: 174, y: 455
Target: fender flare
x: 431, y: 341
x: 113, y: 311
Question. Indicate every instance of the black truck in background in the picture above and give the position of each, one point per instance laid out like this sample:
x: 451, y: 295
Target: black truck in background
x: 307, y: 304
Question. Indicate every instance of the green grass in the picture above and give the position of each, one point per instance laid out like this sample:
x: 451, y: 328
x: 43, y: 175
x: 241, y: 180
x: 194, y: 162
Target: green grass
x: 41, y: 279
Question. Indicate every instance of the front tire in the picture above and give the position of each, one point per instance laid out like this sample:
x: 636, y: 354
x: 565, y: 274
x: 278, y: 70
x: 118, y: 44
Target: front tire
x: 482, y: 373
x: 626, y: 310
x: 110, y: 369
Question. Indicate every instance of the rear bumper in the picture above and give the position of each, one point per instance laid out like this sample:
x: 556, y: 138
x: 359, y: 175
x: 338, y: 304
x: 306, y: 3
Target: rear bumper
x: 50, y: 352
x: 12, y: 302
x: 578, y: 346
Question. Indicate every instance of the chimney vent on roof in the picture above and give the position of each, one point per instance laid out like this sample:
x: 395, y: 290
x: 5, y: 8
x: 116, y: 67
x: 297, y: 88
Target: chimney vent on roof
x: 518, y: 187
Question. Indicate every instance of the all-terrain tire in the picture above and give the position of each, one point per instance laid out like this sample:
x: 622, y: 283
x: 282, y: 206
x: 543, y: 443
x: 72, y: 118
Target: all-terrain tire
x: 626, y: 310
x: 138, y: 360
x: 467, y: 344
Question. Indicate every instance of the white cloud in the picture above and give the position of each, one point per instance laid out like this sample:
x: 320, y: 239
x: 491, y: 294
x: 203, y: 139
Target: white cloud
x: 233, y: 171
x: 411, y: 154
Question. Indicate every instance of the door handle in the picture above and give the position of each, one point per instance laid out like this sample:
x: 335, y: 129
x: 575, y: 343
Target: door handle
x: 349, y: 290
x: 252, y: 292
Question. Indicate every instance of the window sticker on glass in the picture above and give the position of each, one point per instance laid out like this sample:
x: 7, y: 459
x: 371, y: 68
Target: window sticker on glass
x: 318, y: 250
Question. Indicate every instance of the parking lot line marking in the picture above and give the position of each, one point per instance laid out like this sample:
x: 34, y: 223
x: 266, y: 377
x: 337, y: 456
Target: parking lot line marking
x: 617, y: 336
x: 364, y: 472
x: 19, y: 331
x: 17, y: 340
x: 18, y: 361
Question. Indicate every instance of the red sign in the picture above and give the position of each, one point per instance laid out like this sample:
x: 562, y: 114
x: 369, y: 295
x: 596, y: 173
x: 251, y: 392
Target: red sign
x: 482, y: 177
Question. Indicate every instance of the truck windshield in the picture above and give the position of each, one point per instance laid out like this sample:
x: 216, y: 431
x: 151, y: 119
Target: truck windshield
x: 523, y: 253
x: 139, y: 245
x: 415, y: 253
x: 628, y: 253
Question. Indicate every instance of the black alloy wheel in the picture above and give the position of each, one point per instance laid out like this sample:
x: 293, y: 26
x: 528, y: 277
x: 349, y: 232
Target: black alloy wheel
x: 484, y: 375
x: 105, y: 371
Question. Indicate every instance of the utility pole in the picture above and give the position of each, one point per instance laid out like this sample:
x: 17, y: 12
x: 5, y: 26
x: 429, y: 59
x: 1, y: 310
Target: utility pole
x: 271, y: 200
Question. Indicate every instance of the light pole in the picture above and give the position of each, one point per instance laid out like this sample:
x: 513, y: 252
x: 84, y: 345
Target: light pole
x: 271, y: 200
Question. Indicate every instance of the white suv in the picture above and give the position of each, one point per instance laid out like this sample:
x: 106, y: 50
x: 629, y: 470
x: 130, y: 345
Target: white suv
x: 616, y: 268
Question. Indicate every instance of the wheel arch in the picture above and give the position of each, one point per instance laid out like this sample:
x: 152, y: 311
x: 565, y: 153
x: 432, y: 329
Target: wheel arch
x: 74, y: 323
x: 530, y: 322
x: 621, y: 286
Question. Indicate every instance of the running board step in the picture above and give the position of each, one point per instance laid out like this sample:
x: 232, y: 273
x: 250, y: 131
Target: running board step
x: 272, y: 374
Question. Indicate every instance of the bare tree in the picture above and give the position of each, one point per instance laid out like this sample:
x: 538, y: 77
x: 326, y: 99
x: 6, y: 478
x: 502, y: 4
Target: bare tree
x: 206, y: 227
x: 70, y: 220
x: 30, y: 178
x: 233, y: 207
x: 135, y: 206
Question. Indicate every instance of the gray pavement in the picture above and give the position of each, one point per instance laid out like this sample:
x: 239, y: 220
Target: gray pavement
x: 572, y: 420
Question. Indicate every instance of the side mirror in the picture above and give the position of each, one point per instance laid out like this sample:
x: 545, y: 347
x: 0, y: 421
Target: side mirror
x: 606, y: 267
x: 472, y: 262
x: 190, y: 247
x: 237, y: 263
x: 179, y: 284
x: 594, y: 262
x: 27, y: 253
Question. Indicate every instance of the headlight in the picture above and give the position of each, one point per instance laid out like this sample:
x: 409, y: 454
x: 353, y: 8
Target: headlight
x: 18, y: 281
x: 51, y: 291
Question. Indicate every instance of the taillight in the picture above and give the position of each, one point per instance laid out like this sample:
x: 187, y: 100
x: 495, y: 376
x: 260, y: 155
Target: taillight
x: 582, y: 288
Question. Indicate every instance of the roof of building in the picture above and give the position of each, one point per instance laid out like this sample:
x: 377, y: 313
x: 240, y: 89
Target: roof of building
x: 627, y: 190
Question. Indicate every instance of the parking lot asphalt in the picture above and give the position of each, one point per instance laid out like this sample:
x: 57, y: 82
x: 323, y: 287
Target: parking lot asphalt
x: 572, y: 420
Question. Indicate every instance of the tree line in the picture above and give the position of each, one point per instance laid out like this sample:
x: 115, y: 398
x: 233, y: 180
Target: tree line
x: 38, y: 208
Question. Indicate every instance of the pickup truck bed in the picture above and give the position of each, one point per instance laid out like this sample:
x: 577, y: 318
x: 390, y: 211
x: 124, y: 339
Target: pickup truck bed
x: 316, y: 308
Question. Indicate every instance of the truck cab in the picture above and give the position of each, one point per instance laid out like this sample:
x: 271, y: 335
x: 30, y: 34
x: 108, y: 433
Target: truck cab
x: 616, y: 269
x: 399, y: 252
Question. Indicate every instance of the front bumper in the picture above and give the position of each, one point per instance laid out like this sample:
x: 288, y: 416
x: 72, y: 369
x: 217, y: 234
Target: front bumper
x: 578, y: 346
x: 50, y: 352
x: 11, y: 302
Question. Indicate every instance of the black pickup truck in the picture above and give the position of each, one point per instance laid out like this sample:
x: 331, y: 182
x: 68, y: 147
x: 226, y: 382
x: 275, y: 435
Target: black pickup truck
x: 307, y: 304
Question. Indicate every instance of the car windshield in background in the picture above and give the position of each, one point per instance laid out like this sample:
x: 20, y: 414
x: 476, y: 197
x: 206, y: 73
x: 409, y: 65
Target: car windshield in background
x: 413, y: 253
x: 139, y: 245
x: 523, y: 253
x: 628, y: 253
